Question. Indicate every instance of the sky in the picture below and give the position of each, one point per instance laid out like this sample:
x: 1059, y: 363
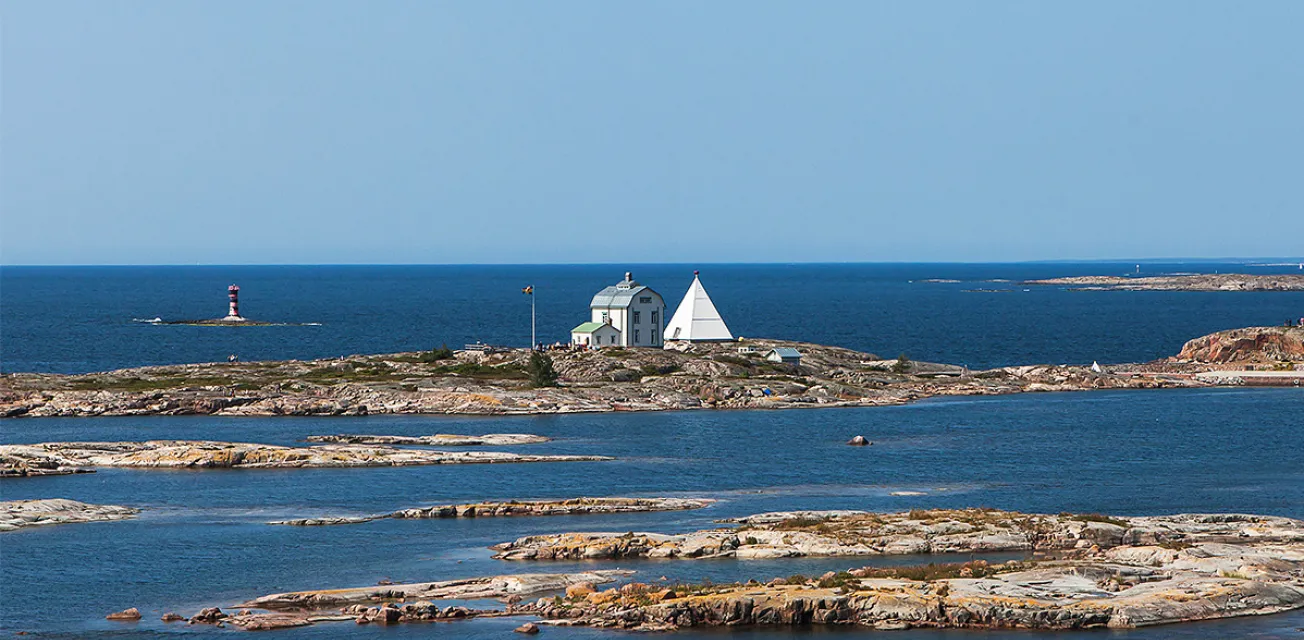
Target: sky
x: 306, y: 132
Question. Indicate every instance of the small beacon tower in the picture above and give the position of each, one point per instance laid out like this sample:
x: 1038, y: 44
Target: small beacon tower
x: 233, y: 313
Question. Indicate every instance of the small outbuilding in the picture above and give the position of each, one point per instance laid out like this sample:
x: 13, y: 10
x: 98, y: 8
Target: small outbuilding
x: 595, y: 334
x: 784, y: 355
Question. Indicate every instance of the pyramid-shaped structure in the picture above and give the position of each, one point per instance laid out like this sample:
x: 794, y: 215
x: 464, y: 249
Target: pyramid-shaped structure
x: 696, y: 319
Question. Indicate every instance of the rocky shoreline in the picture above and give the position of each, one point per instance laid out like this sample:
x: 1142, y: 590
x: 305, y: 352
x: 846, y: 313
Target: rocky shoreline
x: 700, y: 376
x: 62, y: 457
x: 437, y: 440
x: 466, y: 589
x: 858, y: 533
x: 1193, y: 282
x: 517, y: 508
x: 1085, y: 572
x: 19, y: 514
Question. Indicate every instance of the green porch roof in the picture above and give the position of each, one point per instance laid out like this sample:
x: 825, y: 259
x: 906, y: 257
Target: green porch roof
x: 588, y: 327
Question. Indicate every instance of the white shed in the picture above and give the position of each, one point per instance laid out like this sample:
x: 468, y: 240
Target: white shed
x: 785, y: 355
x: 595, y: 334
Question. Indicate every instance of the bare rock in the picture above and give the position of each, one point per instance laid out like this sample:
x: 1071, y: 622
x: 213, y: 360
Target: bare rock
x: 126, y: 614
x: 1249, y: 345
x: 201, y: 454
x: 17, y: 514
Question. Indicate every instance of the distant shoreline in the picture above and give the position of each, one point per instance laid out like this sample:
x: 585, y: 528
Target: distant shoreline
x: 1186, y: 282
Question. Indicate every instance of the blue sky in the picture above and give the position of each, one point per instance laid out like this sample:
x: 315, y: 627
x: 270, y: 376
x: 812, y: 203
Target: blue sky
x: 495, y: 132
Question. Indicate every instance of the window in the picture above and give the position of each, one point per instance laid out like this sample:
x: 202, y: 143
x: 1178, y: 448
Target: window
x: 645, y: 299
x: 636, y: 335
x: 654, y: 336
x: 605, y: 316
x: 654, y: 321
x: 636, y: 316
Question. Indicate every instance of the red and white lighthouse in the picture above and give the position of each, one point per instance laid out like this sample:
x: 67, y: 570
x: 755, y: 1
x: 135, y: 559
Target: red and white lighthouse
x: 233, y: 293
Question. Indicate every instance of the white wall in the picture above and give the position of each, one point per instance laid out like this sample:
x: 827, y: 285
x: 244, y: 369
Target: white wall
x: 622, y: 319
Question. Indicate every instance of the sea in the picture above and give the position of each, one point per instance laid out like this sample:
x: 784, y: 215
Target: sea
x: 202, y: 538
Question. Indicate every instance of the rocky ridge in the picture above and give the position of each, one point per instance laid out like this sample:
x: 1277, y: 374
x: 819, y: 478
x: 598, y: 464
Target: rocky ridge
x: 18, y: 514
x: 201, y: 454
x: 567, y: 507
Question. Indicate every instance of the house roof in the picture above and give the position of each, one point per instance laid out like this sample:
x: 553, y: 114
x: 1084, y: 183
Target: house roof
x: 620, y: 294
x: 590, y: 327
x: 785, y: 352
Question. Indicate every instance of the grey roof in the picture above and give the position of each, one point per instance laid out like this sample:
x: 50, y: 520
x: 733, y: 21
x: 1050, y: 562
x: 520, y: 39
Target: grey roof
x: 620, y: 294
x: 785, y: 352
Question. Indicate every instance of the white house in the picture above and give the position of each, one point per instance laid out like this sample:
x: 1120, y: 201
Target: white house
x: 636, y: 312
x: 595, y: 334
x: 696, y: 319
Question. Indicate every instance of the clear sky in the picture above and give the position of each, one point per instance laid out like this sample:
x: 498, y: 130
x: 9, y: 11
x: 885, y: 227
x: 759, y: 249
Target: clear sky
x: 225, y: 132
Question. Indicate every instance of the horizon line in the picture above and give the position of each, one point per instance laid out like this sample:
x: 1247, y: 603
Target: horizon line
x: 1247, y: 261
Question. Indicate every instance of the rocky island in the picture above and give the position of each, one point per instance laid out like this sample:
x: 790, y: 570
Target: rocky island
x: 437, y: 440
x: 1193, y: 282
x: 568, y: 507
x: 614, y: 379
x: 56, y: 457
x: 18, y: 514
x: 1082, y: 572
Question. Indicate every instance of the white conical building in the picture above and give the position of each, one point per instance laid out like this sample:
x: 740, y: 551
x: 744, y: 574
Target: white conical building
x: 696, y: 319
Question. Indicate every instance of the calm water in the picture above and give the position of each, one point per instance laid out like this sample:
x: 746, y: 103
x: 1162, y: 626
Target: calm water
x: 202, y: 539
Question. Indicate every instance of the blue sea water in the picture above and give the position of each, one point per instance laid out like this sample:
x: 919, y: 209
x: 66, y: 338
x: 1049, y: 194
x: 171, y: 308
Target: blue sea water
x: 78, y: 319
x: 202, y: 540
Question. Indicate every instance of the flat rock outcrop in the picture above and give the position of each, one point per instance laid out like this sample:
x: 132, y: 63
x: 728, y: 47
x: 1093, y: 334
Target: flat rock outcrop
x: 1089, y: 572
x: 566, y: 507
x: 850, y: 533
x: 437, y: 440
x: 1095, y: 592
x: 1192, y: 282
x: 467, y: 589
x: 203, y: 454
x: 17, y: 514
x: 1085, y: 572
x: 1251, y: 345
